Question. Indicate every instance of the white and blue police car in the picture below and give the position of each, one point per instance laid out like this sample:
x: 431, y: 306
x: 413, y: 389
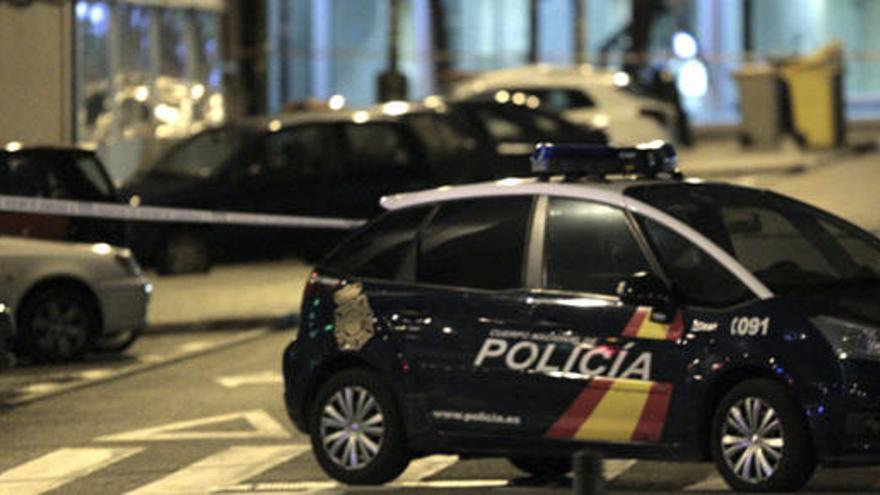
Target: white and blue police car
x: 607, y: 302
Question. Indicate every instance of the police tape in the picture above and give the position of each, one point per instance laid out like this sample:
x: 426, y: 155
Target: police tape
x: 111, y: 211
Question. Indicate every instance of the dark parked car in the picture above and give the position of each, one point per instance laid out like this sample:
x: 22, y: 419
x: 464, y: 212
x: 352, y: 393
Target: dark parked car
x: 500, y: 136
x: 643, y: 316
x: 333, y: 165
x: 55, y: 172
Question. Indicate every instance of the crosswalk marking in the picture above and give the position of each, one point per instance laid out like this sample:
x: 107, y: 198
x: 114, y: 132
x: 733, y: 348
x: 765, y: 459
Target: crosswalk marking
x: 614, y: 468
x: 58, y: 468
x: 225, y: 468
x: 714, y: 482
x: 426, y: 467
x: 261, y: 425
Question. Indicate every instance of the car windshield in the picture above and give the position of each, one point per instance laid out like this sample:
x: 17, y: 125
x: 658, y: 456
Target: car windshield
x: 790, y: 246
x: 204, y: 154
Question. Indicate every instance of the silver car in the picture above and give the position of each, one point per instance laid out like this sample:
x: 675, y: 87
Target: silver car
x: 68, y: 299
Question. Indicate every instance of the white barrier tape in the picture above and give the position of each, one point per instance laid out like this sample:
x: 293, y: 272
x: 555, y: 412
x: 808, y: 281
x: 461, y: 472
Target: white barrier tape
x: 160, y: 214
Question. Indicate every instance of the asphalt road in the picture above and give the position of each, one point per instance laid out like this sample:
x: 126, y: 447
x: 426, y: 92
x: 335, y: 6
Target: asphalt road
x: 212, y: 421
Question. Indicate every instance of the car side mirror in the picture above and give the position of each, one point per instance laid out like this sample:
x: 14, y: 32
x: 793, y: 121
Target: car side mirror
x: 647, y: 289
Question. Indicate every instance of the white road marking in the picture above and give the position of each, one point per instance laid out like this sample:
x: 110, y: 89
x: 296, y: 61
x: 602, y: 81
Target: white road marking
x: 713, y: 483
x: 425, y: 467
x: 262, y: 378
x: 614, y: 468
x: 222, y: 469
x: 58, y: 468
x: 42, y: 390
x: 196, y: 346
x: 262, y: 426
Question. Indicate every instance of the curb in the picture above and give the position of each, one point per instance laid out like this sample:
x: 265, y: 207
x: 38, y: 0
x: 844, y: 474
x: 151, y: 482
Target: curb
x: 274, y: 322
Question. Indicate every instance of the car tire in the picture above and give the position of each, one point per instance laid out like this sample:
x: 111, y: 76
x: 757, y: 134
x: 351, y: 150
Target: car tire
x: 542, y: 466
x: 184, y: 252
x: 767, y: 450
x: 57, y: 324
x: 379, y: 440
x: 117, y: 343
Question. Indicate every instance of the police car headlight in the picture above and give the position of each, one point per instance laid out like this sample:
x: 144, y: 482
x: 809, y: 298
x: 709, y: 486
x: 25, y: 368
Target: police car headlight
x: 849, y: 339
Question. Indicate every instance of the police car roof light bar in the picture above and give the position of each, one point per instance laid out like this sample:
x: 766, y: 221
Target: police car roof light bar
x: 596, y: 162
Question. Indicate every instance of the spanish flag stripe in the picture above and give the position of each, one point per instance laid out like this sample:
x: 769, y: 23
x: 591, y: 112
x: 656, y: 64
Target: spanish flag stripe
x: 653, y: 418
x: 580, y: 409
x: 676, y: 328
x: 617, y: 415
x: 635, y: 323
x: 652, y: 330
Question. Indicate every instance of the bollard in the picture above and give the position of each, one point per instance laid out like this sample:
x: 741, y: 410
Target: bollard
x: 588, y: 476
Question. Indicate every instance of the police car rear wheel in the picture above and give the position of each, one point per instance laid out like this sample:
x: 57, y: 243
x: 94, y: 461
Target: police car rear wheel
x: 760, y: 439
x: 542, y: 466
x: 356, y: 432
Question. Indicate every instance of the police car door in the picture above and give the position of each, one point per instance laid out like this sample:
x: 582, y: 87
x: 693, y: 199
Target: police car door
x: 609, y: 369
x: 470, y: 270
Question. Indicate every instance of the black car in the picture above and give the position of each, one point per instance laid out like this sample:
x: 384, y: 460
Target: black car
x: 331, y: 165
x: 56, y: 172
x: 501, y: 136
x: 641, y: 316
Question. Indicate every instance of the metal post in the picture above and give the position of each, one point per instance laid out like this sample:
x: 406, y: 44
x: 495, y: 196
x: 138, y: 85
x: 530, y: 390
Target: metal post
x: 533, y: 31
x: 393, y: 34
x: 579, y: 32
x: 588, y: 476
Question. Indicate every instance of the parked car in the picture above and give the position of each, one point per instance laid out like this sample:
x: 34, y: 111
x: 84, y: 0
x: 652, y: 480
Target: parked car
x: 57, y: 172
x: 69, y: 298
x: 322, y: 164
x: 584, y: 95
x: 496, y: 136
x: 7, y: 335
x: 605, y: 304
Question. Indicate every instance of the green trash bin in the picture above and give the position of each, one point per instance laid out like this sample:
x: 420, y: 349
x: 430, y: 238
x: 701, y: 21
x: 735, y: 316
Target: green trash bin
x: 760, y: 105
x: 815, y: 89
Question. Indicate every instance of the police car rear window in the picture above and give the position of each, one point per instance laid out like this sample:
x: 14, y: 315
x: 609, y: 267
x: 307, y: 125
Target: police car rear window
x: 384, y: 249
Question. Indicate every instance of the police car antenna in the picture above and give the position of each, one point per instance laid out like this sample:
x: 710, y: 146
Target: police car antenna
x: 655, y: 160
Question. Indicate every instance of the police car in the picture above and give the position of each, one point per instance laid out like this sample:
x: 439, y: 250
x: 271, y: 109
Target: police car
x: 606, y: 303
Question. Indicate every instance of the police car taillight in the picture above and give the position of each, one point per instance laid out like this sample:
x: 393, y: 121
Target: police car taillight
x: 651, y: 160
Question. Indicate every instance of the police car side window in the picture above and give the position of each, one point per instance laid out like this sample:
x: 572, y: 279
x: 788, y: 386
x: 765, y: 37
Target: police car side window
x: 385, y: 249
x: 589, y: 247
x: 476, y: 243
x: 701, y: 279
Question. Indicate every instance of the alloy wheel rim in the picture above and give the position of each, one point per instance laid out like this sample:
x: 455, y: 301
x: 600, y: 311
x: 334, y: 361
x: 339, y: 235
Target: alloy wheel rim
x: 752, y: 440
x: 60, y: 327
x: 352, y: 427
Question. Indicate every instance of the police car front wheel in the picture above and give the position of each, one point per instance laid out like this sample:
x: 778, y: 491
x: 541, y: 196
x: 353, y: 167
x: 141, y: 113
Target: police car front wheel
x: 760, y: 439
x: 356, y: 432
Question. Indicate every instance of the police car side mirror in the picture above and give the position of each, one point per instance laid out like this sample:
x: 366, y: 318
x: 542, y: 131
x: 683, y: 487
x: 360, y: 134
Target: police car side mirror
x: 647, y: 289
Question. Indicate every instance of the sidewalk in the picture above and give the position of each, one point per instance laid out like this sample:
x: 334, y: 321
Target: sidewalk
x: 726, y: 158
x: 229, y: 296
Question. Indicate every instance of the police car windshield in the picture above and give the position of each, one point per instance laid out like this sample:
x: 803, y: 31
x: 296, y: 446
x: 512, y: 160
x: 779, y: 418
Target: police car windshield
x: 790, y: 246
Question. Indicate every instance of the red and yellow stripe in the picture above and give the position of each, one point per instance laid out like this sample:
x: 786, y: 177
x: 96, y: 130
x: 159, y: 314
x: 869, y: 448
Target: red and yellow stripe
x: 618, y: 410
x: 641, y: 326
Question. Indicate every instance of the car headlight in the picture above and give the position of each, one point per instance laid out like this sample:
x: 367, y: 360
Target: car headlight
x: 849, y: 339
x: 128, y: 263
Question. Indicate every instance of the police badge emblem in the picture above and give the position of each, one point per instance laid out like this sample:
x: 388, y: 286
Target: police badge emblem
x: 354, y: 318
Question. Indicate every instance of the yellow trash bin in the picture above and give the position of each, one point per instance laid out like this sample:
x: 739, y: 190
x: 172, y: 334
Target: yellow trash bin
x: 814, y: 86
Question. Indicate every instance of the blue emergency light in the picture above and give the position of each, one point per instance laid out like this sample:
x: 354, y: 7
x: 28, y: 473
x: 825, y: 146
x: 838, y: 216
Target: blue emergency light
x: 581, y: 160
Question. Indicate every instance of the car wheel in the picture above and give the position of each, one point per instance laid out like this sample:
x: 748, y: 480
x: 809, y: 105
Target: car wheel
x: 760, y: 439
x: 184, y: 252
x: 542, y: 466
x: 57, y: 324
x: 118, y: 342
x: 357, y: 435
